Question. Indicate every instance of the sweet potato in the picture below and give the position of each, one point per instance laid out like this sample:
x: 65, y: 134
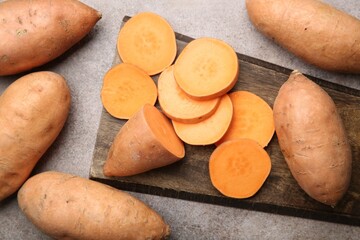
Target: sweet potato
x: 65, y: 206
x: 33, y: 110
x: 177, y: 105
x: 238, y: 168
x: 147, y: 41
x: 146, y: 141
x: 209, y: 130
x: 33, y: 33
x: 207, y: 68
x: 126, y: 88
x: 312, y: 139
x: 312, y: 30
x: 252, y: 119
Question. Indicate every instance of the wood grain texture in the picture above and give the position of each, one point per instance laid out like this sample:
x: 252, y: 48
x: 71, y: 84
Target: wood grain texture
x: 189, y: 178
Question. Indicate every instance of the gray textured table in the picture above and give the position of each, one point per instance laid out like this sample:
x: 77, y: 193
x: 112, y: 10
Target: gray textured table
x: 84, y: 67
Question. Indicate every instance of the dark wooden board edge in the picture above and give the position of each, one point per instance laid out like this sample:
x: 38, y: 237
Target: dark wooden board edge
x: 245, y: 204
x: 230, y: 202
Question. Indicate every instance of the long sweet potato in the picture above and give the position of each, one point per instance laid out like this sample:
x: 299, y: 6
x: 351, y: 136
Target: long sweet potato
x: 313, y: 139
x: 312, y: 30
x: 33, y: 111
x: 65, y: 206
x: 33, y: 33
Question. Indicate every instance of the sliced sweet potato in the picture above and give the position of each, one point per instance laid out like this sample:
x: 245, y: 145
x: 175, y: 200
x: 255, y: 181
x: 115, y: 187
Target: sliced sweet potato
x: 209, y: 130
x: 238, y: 168
x: 253, y: 118
x: 177, y: 105
x: 207, y: 68
x: 148, y: 41
x: 126, y: 88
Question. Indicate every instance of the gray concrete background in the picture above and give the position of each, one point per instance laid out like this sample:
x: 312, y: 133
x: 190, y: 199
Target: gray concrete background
x: 84, y: 67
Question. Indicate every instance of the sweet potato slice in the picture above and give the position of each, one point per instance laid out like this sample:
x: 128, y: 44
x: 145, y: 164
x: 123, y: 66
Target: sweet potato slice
x: 147, y: 41
x: 238, y: 168
x: 145, y: 142
x: 177, y: 105
x: 206, y: 68
x: 253, y: 118
x: 211, y: 129
x: 126, y: 88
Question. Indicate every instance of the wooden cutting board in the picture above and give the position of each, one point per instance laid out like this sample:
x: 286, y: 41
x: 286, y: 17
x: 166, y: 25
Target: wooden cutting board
x: 189, y: 178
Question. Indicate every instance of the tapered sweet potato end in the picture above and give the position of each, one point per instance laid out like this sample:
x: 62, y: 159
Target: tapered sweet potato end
x: 145, y: 142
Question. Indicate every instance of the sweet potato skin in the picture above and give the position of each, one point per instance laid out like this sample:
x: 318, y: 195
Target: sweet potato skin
x: 312, y: 30
x: 33, y: 33
x: 65, y: 206
x: 33, y: 110
x: 312, y: 139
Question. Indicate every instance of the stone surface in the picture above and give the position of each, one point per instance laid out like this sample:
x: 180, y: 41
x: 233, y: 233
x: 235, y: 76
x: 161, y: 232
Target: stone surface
x: 85, y: 65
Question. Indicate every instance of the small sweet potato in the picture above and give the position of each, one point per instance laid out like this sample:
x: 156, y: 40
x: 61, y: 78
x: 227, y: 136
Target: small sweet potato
x: 313, y: 139
x: 312, y: 30
x: 33, y: 33
x: 65, y: 206
x: 33, y: 110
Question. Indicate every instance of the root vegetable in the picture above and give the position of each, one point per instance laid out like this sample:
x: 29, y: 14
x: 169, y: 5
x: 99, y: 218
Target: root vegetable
x: 238, y: 168
x: 126, y: 88
x: 207, y: 68
x: 65, y: 206
x: 252, y: 118
x: 312, y: 139
x: 147, y: 41
x: 209, y: 130
x: 33, y: 110
x: 177, y: 105
x: 146, y: 141
x: 312, y: 30
x: 33, y: 33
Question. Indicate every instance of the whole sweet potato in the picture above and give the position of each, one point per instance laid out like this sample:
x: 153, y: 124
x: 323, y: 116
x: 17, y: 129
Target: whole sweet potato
x: 64, y: 206
x: 312, y: 30
x: 312, y: 139
x: 33, y: 33
x: 33, y: 110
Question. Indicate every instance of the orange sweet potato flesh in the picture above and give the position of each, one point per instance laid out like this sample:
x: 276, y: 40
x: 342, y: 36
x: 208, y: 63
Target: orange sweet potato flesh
x: 209, y: 130
x: 239, y: 168
x: 65, y: 206
x: 207, y: 68
x: 252, y: 118
x: 33, y: 33
x: 312, y: 30
x: 177, y: 105
x: 126, y: 88
x: 147, y: 41
x: 33, y: 111
x: 313, y: 139
x: 145, y: 142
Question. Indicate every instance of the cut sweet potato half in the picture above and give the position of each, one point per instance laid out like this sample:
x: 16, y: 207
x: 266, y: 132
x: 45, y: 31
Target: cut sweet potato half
x: 126, y: 88
x: 146, y: 141
x: 252, y: 118
x: 177, y: 105
x: 206, y: 68
x: 239, y: 168
x: 209, y: 130
x: 147, y: 41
